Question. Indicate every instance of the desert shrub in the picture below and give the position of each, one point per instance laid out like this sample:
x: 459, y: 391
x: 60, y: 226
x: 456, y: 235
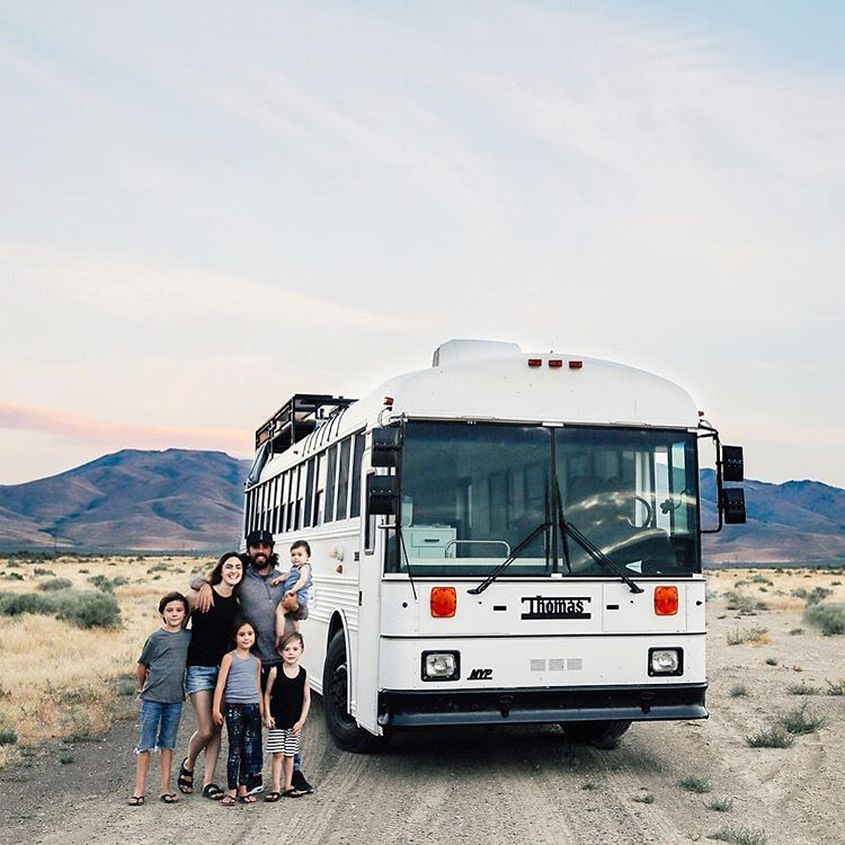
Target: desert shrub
x: 13, y: 604
x: 761, y: 579
x: 126, y: 686
x: 8, y: 736
x: 40, y: 570
x: 794, y: 632
x: 55, y: 584
x: 835, y: 583
x: 13, y: 576
x: 802, y: 689
x: 13, y: 564
x: 738, y: 691
x: 101, y: 582
x: 66, y: 758
x: 829, y: 617
x: 837, y: 688
x: 774, y: 737
x: 695, y: 783
x: 158, y: 567
x: 644, y: 798
x: 720, y: 805
x: 798, y: 722
x: 119, y: 581
x: 84, y: 571
x: 88, y: 609
x: 740, y: 836
x: 750, y: 635
x: 746, y: 605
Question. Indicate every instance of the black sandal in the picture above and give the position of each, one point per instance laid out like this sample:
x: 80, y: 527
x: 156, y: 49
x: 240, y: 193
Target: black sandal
x: 272, y: 797
x: 185, y: 781
x: 212, y: 791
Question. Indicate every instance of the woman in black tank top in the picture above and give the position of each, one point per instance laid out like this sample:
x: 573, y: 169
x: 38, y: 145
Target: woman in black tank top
x: 211, y: 636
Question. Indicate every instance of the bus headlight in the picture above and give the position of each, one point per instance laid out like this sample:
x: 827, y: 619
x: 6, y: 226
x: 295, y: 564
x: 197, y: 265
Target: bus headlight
x: 665, y: 661
x: 441, y: 665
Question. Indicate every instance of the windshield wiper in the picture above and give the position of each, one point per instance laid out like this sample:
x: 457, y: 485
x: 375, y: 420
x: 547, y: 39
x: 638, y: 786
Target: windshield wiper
x: 598, y: 555
x: 475, y: 591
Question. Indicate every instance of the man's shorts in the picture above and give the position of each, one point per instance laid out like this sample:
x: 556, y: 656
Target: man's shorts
x: 199, y: 678
x: 159, y: 725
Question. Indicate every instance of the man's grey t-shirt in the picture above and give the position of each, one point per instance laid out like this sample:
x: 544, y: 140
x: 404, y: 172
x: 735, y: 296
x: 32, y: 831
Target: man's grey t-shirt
x: 165, y: 654
x: 258, y: 604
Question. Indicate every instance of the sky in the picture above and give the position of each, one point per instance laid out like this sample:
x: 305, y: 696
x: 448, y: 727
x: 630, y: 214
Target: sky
x: 208, y: 206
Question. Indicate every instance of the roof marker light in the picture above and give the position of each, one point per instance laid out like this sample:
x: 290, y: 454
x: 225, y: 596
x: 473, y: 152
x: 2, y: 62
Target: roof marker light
x: 555, y: 363
x: 535, y: 362
x: 576, y: 365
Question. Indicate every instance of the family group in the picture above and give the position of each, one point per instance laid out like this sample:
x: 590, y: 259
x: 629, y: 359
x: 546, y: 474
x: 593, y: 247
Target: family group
x: 239, y: 664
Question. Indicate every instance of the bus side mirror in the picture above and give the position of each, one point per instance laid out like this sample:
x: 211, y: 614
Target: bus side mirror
x: 733, y: 505
x: 382, y: 495
x: 387, y: 443
x: 733, y: 468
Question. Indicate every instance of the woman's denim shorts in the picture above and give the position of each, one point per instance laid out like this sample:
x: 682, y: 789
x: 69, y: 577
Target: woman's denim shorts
x: 159, y: 725
x: 199, y: 678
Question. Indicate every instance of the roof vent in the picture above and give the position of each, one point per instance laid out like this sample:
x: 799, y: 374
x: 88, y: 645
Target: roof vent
x: 463, y: 351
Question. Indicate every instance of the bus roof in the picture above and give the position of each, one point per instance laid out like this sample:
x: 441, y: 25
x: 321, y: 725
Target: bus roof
x: 500, y: 382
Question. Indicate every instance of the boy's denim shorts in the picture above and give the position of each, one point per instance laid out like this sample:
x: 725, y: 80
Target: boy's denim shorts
x: 199, y: 678
x: 159, y: 725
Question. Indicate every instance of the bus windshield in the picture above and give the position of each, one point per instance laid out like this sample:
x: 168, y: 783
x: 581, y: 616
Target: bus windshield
x: 472, y: 494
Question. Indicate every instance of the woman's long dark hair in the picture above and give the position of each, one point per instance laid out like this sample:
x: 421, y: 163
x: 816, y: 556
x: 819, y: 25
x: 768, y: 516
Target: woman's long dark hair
x: 216, y: 575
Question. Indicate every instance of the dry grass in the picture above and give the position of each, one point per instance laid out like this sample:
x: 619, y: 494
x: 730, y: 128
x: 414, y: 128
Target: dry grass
x: 62, y: 681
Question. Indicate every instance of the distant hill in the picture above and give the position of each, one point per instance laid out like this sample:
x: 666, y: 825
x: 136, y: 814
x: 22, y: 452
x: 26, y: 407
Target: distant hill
x: 145, y: 500
x: 797, y: 520
x: 181, y: 499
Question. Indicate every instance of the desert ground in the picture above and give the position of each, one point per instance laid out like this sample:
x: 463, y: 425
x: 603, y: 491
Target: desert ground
x: 66, y: 696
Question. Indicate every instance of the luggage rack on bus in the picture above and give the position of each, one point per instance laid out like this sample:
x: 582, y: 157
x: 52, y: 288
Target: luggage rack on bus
x: 297, y: 418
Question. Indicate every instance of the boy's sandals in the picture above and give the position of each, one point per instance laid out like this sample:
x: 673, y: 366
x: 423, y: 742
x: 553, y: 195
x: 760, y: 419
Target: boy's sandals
x: 185, y: 781
x: 136, y: 801
x: 212, y: 791
x: 169, y: 798
x: 272, y: 797
x: 228, y: 801
x: 293, y: 792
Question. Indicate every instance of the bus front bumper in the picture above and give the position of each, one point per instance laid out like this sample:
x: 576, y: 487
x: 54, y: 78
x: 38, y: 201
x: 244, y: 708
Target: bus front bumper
x: 533, y: 706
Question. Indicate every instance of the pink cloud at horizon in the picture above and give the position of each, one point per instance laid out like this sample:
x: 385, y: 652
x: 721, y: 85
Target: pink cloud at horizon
x: 109, y: 434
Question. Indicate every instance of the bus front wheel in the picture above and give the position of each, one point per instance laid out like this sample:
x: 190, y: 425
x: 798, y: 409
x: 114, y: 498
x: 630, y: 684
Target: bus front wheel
x: 605, y: 733
x: 342, y: 726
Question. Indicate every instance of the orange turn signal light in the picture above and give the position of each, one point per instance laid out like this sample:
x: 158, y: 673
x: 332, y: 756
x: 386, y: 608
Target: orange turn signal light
x: 444, y: 602
x: 665, y: 601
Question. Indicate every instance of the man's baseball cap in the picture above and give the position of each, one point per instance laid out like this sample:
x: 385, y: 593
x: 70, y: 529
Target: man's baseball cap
x: 258, y: 536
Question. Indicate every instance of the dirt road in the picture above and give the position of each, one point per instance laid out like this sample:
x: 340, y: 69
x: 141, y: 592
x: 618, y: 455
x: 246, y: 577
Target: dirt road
x: 504, y: 786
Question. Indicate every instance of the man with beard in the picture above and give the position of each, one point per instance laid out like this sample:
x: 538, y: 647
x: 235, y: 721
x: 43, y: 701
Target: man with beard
x: 259, y: 599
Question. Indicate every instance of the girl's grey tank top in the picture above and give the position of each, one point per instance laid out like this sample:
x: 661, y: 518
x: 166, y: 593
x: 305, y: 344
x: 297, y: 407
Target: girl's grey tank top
x: 242, y: 681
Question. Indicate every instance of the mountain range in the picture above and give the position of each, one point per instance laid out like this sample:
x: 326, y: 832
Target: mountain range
x: 186, y: 500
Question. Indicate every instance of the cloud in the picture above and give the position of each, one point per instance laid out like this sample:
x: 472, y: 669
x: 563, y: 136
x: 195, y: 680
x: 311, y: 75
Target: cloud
x: 105, y: 434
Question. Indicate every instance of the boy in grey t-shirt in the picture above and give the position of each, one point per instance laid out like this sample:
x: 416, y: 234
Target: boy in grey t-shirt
x: 161, y: 672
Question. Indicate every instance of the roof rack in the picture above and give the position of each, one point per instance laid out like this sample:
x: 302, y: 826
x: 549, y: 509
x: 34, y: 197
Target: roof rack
x: 297, y: 418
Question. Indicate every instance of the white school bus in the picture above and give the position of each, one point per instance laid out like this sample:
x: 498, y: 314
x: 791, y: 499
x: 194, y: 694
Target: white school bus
x: 500, y: 538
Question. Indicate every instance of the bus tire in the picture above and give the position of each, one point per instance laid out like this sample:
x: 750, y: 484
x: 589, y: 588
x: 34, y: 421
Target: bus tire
x: 603, y: 734
x: 341, y: 725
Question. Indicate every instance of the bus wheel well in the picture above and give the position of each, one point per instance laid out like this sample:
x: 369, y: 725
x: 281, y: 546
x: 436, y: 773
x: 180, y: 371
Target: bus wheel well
x: 335, y: 625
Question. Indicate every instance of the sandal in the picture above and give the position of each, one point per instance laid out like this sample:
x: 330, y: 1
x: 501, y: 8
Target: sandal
x: 169, y: 798
x: 185, y: 781
x: 247, y: 799
x: 272, y: 797
x: 293, y: 792
x: 228, y: 801
x: 212, y: 791
x: 136, y: 801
